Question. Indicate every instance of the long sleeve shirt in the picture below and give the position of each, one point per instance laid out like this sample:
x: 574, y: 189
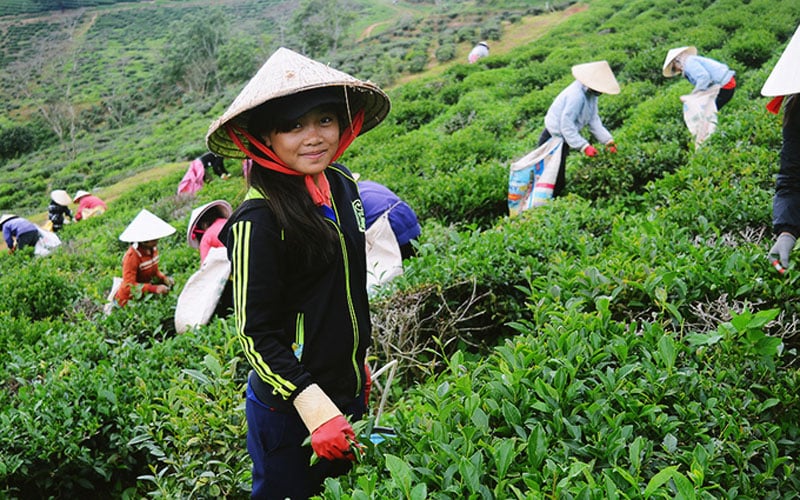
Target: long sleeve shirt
x: 703, y: 72
x: 139, y: 269
x: 211, y: 239
x: 89, y: 204
x: 300, y: 324
x: 574, y: 108
x: 14, y: 228
x: 378, y: 199
x: 56, y: 214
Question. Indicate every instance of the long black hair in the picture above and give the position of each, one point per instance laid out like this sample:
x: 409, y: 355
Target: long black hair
x: 310, y: 237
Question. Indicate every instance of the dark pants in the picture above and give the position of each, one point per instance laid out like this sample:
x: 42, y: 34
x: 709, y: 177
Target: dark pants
x: 407, y: 251
x: 561, y: 179
x: 723, y: 97
x: 280, y: 463
x: 28, y: 239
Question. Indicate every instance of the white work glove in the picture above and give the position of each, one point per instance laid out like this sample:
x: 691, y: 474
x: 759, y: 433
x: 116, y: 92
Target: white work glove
x: 781, y: 249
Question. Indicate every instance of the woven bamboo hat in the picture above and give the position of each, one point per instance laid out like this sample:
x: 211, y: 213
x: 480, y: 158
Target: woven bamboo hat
x: 288, y: 73
x: 785, y: 76
x: 597, y: 76
x: 668, y: 70
x: 197, y: 215
x: 146, y: 226
x: 60, y: 196
x: 80, y: 194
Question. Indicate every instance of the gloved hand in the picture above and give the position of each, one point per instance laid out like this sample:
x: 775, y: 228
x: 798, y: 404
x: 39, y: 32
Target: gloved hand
x: 781, y: 249
x: 611, y: 147
x: 331, y: 435
x: 590, y: 151
x: 332, y: 439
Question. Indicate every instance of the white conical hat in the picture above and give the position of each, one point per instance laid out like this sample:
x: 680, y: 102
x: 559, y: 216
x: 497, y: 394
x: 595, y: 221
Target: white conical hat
x: 6, y: 217
x: 146, y: 226
x: 597, y: 76
x: 667, y: 69
x: 80, y: 194
x: 286, y: 73
x: 785, y: 76
x: 198, y: 214
x: 60, y: 196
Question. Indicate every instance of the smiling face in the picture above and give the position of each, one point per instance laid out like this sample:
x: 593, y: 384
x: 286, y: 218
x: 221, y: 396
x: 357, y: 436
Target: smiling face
x: 307, y: 144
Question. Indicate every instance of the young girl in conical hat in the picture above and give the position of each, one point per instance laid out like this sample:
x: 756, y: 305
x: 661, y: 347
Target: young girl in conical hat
x: 297, y: 251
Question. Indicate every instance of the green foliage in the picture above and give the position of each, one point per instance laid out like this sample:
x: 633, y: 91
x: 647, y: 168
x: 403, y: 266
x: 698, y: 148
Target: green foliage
x: 16, y: 140
x: 752, y: 48
x: 628, y: 340
x: 41, y: 292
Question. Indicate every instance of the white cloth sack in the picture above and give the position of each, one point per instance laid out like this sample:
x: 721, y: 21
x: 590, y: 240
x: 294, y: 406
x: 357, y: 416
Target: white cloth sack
x: 48, y: 240
x: 115, y: 284
x: 384, y: 261
x: 700, y: 113
x: 533, y: 177
x: 200, y: 295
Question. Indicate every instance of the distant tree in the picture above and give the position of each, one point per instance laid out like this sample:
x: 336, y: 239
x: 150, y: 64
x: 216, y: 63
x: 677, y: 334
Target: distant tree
x: 191, y: 53
x: 238, y: 59
x: 319, y: 27
x: 46, y: 78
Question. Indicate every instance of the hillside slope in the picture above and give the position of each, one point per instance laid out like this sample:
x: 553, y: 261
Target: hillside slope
x: 628, y: 340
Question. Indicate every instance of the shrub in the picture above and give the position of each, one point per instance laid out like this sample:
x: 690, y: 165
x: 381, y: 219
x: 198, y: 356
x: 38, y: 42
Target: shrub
x: 40, y: 292
x: 752, y: 48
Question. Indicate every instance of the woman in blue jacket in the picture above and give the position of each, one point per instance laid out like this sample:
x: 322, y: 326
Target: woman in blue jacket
x: 18, y: 232
x: 575, y: 108
x: 702, y: 72
x: 298, y: 259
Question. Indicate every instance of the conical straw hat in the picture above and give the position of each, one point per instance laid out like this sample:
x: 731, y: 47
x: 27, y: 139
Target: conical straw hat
x: 80, y: 194
x: 597, y: 76
x: 146, y: 226
x: 198, y: 214
x: 61, y: 197
x: 785, y: 76
x: 6, y: 217
x: 286, y: 73
x: 667, y: 69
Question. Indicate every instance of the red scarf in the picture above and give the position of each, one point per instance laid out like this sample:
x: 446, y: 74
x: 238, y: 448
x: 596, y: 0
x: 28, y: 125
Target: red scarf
x: 320, y: 190
x: 774, y: 106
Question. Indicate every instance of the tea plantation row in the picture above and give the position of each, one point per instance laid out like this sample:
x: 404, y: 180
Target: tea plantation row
x: 626, y: 341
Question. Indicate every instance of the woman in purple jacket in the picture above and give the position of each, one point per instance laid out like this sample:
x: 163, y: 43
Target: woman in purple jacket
x: 18, y: 232
x: 378, y: 199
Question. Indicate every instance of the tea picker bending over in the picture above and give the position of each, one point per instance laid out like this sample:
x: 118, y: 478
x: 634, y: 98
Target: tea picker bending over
x: 702, y: 72
x: 205, y: 224
x: 140, y: 273
x: 18, y: 233
x: 89, y: 205
x: 576, y: 107
x: 297, y: 251
x: 59, y: 209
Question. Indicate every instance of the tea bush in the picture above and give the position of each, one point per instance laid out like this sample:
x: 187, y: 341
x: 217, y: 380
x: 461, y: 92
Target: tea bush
x: 40, y: 292
x: 626, y: 340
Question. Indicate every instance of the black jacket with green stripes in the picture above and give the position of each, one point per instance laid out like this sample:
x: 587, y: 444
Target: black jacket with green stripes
x: 299, y: 326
